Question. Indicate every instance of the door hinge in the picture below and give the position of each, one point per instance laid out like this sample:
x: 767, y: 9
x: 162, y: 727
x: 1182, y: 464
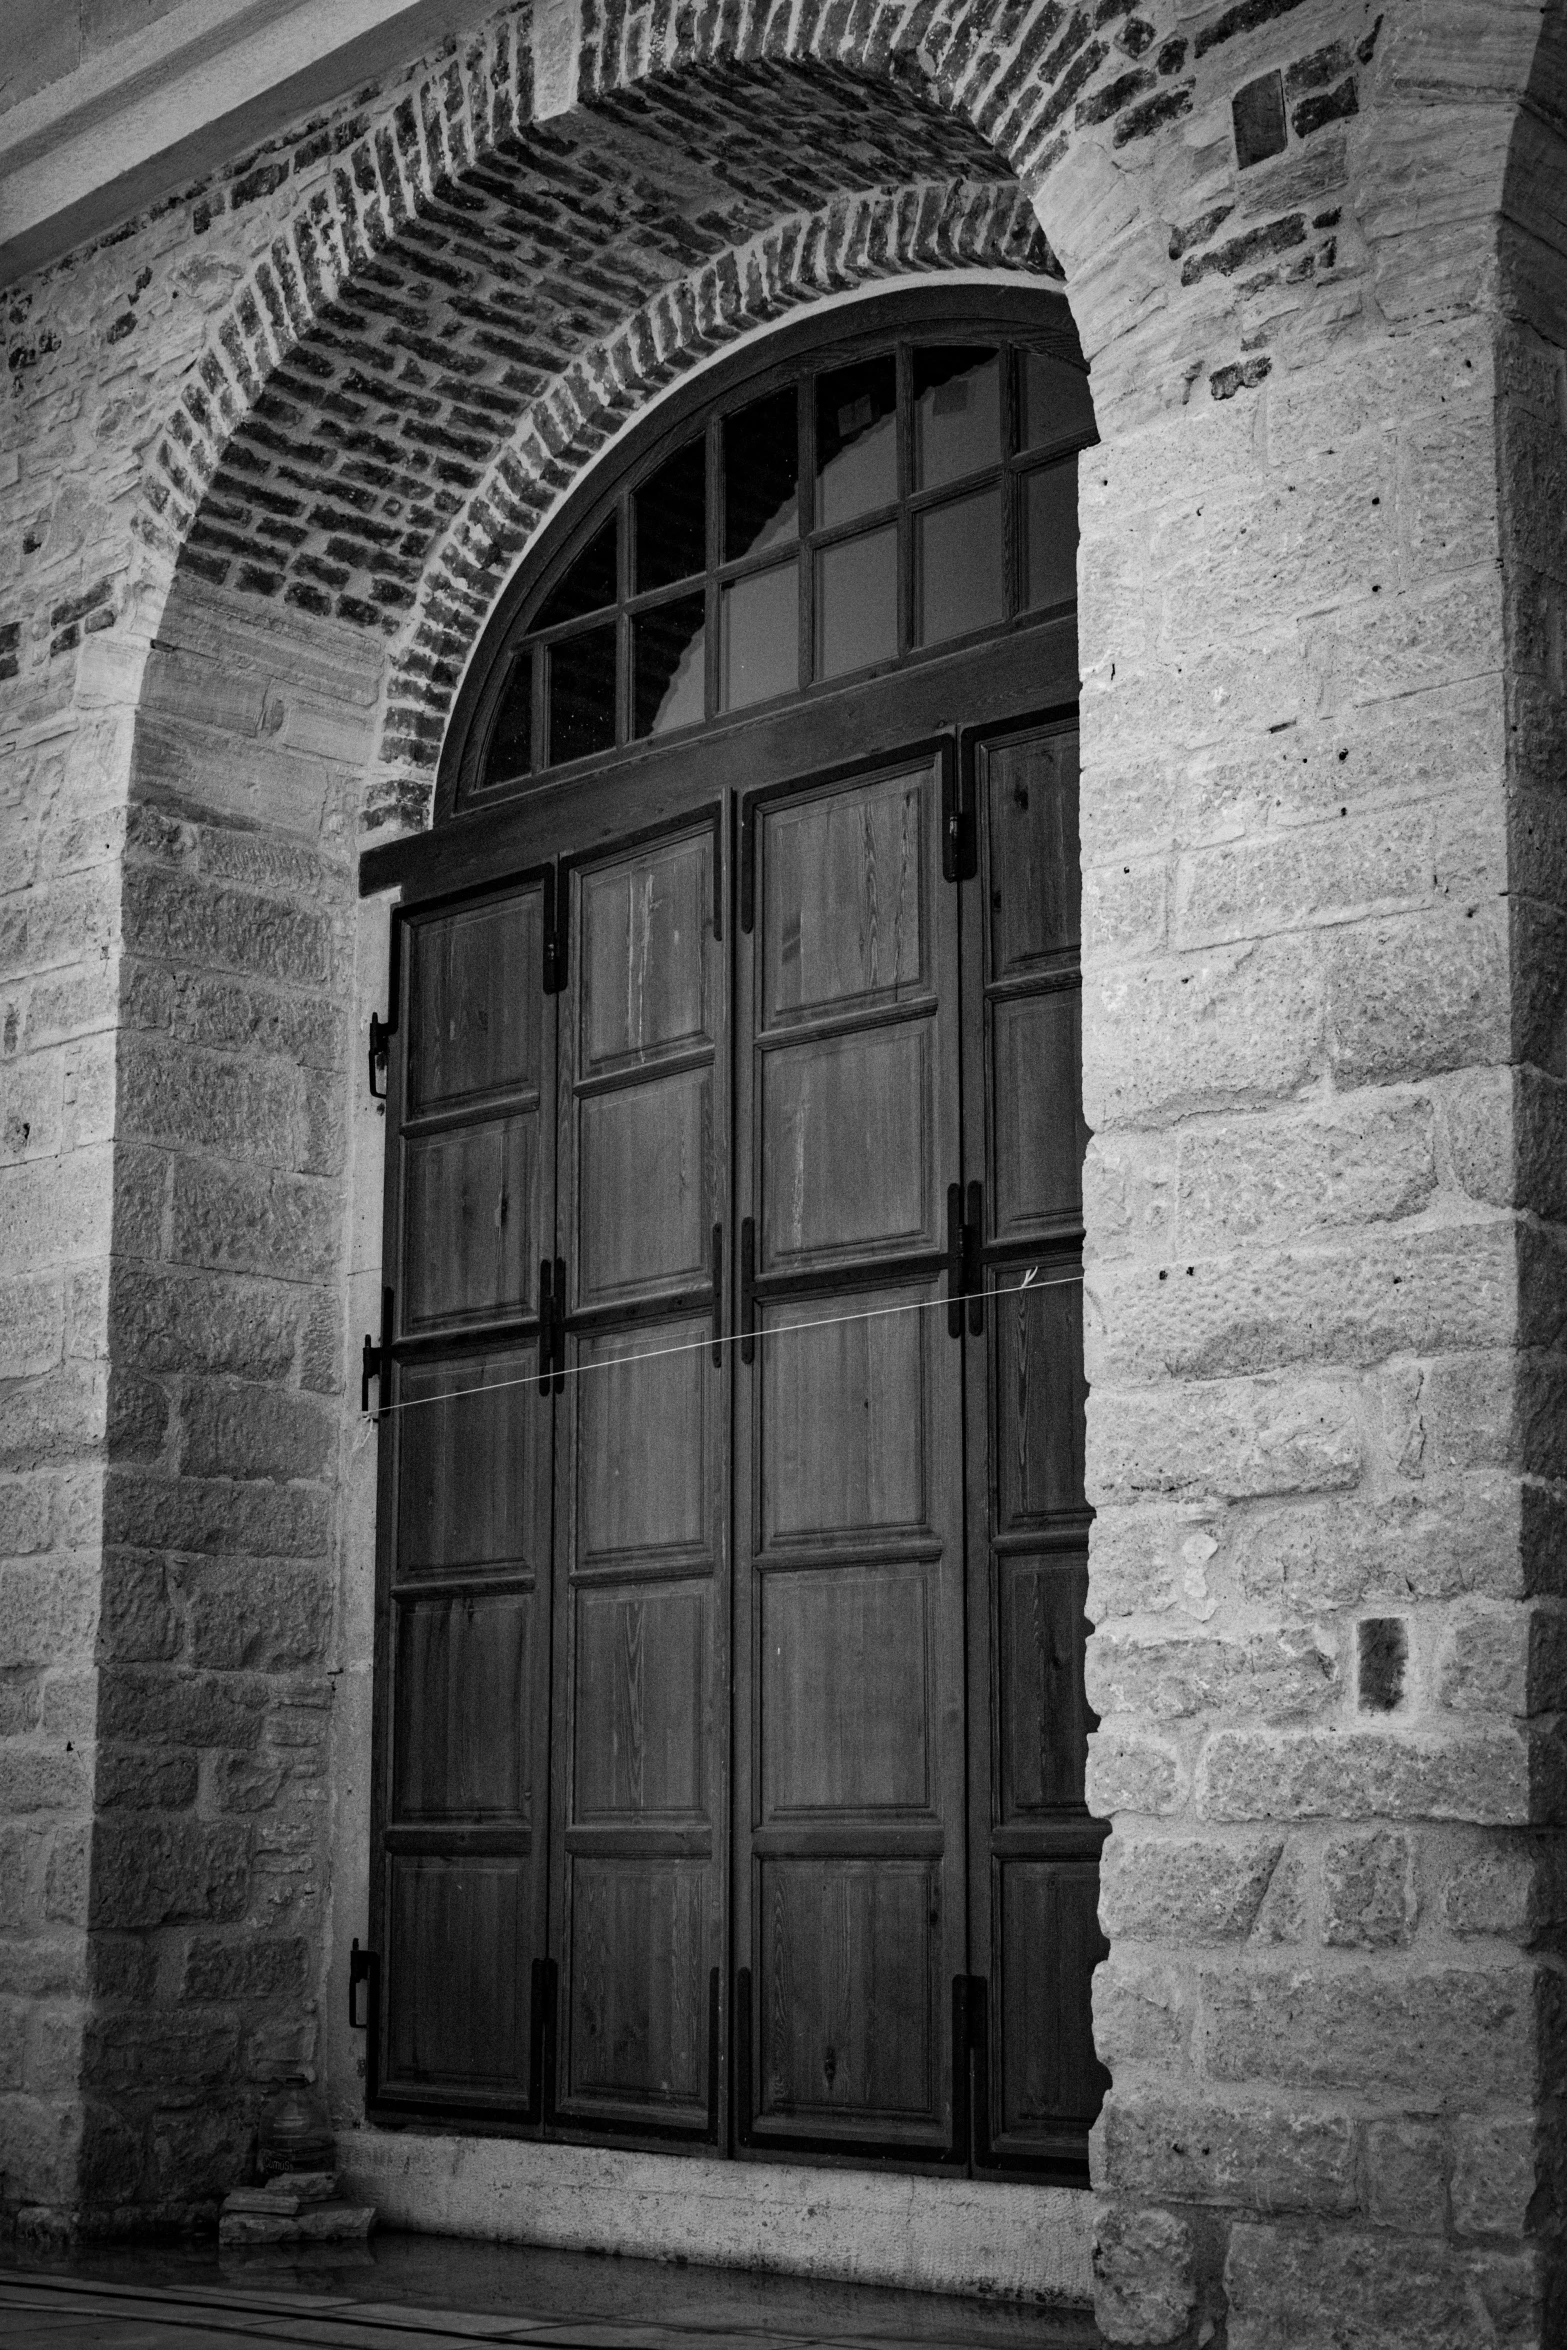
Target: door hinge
x: 748, y: 868
x: 959, y: 831
x: 556, y: 901
x: 376, y: 1362
x: 380, y: 1037
x: 363, y: 1966
x: 965, y: 1260
x: 748, y: 1291
x: 541, y: 2040
x: 552, y: 1325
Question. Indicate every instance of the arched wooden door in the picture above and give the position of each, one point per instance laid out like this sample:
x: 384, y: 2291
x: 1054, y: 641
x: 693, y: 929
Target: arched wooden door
x: 730, y: 1719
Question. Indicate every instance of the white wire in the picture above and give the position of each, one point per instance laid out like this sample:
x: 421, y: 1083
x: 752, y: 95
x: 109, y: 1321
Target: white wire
x: 1031, y: 1280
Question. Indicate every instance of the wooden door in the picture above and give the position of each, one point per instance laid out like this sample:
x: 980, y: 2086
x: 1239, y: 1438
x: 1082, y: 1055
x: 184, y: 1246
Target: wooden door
x: 464, y: 1704
x: 1034, y: 1883
x: 849, y: 1589
x: 642, y: 1613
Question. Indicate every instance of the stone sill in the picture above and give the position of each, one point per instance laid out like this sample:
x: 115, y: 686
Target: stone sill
x: 1018, y: 2243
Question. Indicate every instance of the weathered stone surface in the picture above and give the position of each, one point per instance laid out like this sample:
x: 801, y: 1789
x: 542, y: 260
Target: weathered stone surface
x: 1154, y: 1890
x: 157, y: 1872
x: 1443, y: 2037
x: 1132, y: 1773
x: 245, y: 1968
x: 1283, y: 1676
x: 1351, y: 1774
x: 1145, y: 2286
x: 1264, y: 2158
x: 258, y: 1617
x: 1405, y: 2169
x: 1369, y: 1896
x: 1238, y: 1438
x: 1363, y: 2292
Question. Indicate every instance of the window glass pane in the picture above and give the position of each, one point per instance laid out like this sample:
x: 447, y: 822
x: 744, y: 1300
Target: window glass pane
x: 511, y: 743
x: 588, y: 585
x: 957, y: 414
x: 582, y: 695
x: 669, y: 644
x: 759, y: 640
x: 856, y: 440
x: 1050, y: 535
x: 857, y: 603
x: 959, y: 576
x: 761, y: 476
x: 671, y: 519
x: 1055, y: 401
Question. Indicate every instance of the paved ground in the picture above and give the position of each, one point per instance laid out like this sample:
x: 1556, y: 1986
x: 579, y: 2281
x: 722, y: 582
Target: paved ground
x: 425, y: 2292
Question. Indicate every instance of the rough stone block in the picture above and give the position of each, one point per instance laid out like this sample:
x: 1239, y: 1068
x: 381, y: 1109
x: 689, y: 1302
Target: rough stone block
x: 187, y: 1100
x: 208, y: 929
x: 1235, y: 1438
x: 288, y: 1228
x: 1145, y: 2274
x: 1260, y: 2158
x: 163, y: 1706
x: 251, y: 1968
x: 254, y: 1432
x: 149, y: 1512
x: 1132, y: 1773
x: 32, y: 1326
x: 43, y: 1778
x: 1413, y: 997
x: 139, y: 1778
x: 1369, y: 1896
x: 202, y: 1321
x: 1433, y: 1538
x: 1283, y: 1676
x: 1445, y: 2036
x: 1363, y: 2292
x: 1406, y: 2185
x: 155, y: 1872
x: 1483, y: 1666
x: 1142, y: 2013
x: 1154, y: 1890
x: 1249, y: 1021
x: 258, y: 1617
x: 1393, y: 1774
x: 1496, y: 2171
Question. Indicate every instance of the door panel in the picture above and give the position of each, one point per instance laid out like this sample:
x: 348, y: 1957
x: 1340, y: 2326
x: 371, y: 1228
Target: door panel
x: 828, y: 1108
x: 472, y: 1223
x: 849, y: 1591
x: 469, y: 1464
x: 462, y: 1706
x: 458, y: 2015
x: 639, y: 1783
x: 1034, y: 1937
x: 472, y: 977
x: 847, y: 2041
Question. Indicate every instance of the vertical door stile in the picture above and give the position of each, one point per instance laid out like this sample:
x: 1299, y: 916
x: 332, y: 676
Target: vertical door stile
x: 849, y: 1845
x: 639, y: 1879
x: 464, y: 1497
x: 1033, y: 1891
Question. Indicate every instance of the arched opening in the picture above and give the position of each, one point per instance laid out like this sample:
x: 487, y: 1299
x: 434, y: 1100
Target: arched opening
x: 730, y: 1744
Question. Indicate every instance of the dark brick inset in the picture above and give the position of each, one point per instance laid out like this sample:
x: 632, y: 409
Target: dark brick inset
x: 1258, y: 113
x: 1383, y: 1655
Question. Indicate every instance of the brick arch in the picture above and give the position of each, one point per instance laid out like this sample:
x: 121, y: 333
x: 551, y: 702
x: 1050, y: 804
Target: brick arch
x: 857, y: 242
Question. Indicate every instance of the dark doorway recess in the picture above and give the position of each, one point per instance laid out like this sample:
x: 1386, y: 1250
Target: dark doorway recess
x: 730, y: 1724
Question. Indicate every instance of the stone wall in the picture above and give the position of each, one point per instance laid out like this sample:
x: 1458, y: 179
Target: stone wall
x: 1313, y: 252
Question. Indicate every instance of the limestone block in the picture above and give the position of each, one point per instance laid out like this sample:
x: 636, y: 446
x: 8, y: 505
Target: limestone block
x: 30, y: 1097
x: 1235, y: 1026
x: 245, y: 1968
x: 1255, y: 888
x: 1429, y: 1292
x: 1361, y: 1159
x: 1483, y: 1666
x: 253, y: 1431
x: 1157, y: 1891
x: 1405, y: 2167
x: 1130, y: 1772
x: 258, y: 1617
x: 1142, y: 2013
x: 153, y: 1872
x: 1433, y: 1539
x: 136, y: 1778
x: 1256, y: 2158
x: 57, y: 1418
x: 1441, y: 2036
x: 1373, y: 2291
x: 225, y: 1015
x: 197, y: 1101
x: 48, y: 1777
x: 1493, y: 1890
x: 212, y: 1515
x: 1235, y: 1438
x: 52, y: 1210
x: 212, y: 930
x: 1280, y: 1675
x: 1411, y: 997
x: 158, y: 1706
x: 1401, y: 1774
x: 188, y: 1321
x: 1496, y: 2171
x: 1369, y: 1895
x: 233, y: 1219
x: 1145, y: 2274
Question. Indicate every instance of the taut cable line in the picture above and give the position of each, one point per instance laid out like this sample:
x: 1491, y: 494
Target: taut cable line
x: 1033, y: 1280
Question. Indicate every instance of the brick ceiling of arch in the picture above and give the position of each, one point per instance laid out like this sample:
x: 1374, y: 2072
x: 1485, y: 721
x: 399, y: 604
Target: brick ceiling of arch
x: 401, y: 456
